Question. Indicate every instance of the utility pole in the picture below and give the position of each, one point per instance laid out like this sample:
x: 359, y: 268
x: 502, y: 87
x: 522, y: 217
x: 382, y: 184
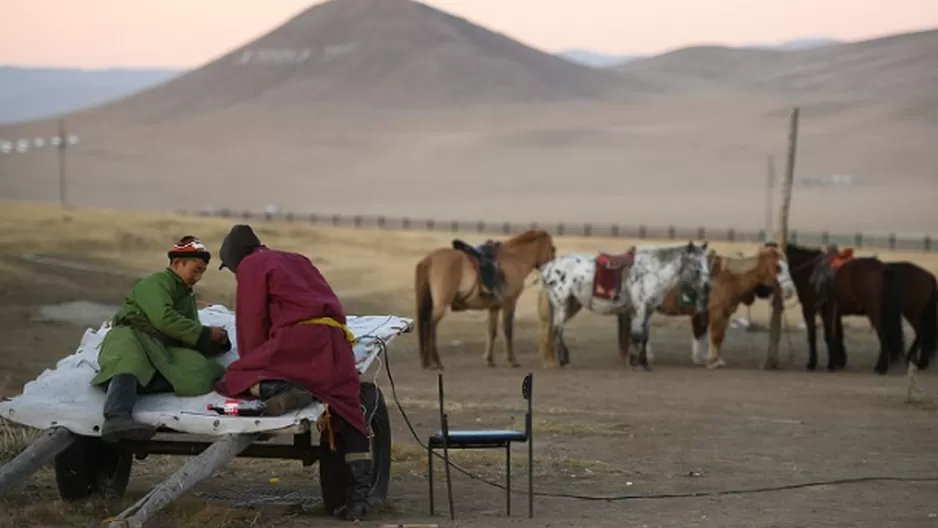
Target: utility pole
x: 60, y: 142
x: 769, y: 191
x: 781, y: 237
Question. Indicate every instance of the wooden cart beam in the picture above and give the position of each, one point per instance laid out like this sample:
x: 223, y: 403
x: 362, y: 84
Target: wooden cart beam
x: 34, y: 457
x: 191, y: 473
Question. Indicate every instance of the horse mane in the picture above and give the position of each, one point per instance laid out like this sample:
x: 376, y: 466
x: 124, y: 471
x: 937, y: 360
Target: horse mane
x: 745, y: 264
x: 527, y: 237
x: 740, y: 265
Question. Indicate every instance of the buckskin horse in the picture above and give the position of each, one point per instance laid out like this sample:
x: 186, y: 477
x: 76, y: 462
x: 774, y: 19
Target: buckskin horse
x: 734, y: 280
x: 630, y: 286
x: 451, y: 278
x: 883, y: 291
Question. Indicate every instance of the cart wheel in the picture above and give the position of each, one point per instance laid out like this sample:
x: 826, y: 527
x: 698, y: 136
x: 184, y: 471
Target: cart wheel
x: 334, y: 474
x: 92, y: 467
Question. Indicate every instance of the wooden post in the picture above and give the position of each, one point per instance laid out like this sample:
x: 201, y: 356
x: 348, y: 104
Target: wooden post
x: 191, y: 473
x: 34, y: 457
x: 781, y: 237
x: 769, y: 191
x: 63, y: 146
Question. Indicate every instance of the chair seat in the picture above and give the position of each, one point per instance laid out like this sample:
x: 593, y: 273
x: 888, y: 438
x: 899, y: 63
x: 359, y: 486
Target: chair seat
x: 471, y: 438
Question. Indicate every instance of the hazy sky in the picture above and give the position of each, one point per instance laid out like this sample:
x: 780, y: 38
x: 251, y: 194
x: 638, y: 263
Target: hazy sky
x: 186, y: 33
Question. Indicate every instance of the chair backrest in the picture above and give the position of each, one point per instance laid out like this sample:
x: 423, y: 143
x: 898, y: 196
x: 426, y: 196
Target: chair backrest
x: 527, y: 392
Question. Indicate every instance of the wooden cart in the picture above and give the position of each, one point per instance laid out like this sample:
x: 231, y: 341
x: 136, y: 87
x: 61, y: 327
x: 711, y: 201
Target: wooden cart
x: 86, y: 466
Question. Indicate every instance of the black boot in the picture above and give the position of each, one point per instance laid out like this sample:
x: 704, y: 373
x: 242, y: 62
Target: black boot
x: 281, y: 397
x: 356, y: 503
x: 118, y: 408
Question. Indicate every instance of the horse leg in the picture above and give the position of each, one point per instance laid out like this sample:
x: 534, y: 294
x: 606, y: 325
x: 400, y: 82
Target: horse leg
x: 571, y: 308
x: 841, y: 358
x: 699, y: 329
x: 830, y: 333
x: 434, y: 353
x: 875, y: 316
x: 717, y: 333
x: 810, y: 321
x: 623, y: 323
x: 643, y: 348
x: 508, y: 328
x: 490, y: 336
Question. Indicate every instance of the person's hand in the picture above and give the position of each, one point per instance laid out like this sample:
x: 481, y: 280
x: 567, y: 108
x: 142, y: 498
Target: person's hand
x: 219, y: 335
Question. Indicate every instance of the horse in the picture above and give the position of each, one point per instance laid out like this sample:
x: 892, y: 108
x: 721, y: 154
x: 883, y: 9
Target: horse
x: 883, y: 291
x: 642, y: 277
x: 449, y: 278
x: 734, y: 280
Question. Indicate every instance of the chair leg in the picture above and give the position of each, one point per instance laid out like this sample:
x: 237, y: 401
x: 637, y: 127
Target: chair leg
x: 508, y: 479
x: 449, y: 483
x: 530, y: 478
x: 430, y: 476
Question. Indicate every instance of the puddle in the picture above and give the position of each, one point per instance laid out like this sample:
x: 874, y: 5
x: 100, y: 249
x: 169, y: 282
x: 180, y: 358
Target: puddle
x: 80, y: 313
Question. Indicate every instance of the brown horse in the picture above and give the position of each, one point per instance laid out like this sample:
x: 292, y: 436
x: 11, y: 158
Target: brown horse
x: 734, y: 280
x: 449, y: 278
x: 883, y: 291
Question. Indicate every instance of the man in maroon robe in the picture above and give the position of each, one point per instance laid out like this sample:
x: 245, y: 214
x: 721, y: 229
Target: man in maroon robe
x: 293, y: 347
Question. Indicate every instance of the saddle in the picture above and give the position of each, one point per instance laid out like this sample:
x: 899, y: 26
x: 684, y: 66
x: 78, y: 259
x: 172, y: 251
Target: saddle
x: 609, y: 271
x: 824, y: 271
x: 490, y: 276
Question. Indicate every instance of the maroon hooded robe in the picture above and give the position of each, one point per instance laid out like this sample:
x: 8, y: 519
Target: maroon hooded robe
x: 276, y: 290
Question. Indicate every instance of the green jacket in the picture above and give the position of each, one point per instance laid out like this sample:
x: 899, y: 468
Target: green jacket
x: 158, y: 330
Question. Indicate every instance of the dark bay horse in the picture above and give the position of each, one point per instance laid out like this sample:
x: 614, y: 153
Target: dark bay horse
x: 882, y: 291
x: 451, y: 279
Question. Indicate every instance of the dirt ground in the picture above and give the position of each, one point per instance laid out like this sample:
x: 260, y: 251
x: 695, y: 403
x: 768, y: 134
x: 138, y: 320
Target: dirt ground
x: 601, y: 429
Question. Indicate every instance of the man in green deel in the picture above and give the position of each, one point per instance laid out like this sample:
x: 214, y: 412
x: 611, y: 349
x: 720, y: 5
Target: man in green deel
x: 157, y: 344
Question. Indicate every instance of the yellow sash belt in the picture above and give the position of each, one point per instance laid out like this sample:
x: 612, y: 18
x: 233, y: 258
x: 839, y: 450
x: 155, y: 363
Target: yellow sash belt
x: 328, y: 321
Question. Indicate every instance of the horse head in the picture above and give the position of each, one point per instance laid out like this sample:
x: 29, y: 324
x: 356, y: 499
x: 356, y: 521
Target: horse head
x: 694, y: 275
x: 535, y: 246
x: 772, y: 271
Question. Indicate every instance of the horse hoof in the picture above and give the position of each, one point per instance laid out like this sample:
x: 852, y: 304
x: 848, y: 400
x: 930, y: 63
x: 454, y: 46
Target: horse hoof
x: 515, y: 364
x: 646, y: 368
x: 697, y: 360
x: 811, y: 366
x: 491, y: 364
x: 716, y: 364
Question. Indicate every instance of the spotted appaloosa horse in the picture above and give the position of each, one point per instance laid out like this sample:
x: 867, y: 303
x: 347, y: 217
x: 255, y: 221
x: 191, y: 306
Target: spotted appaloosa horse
x: 568, y: 285
x: 734, y: 280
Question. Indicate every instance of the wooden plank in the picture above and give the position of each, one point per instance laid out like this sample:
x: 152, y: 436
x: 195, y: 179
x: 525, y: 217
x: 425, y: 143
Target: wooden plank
x: 781, y: 237
x: 191, y: 473
x: 34, y: 457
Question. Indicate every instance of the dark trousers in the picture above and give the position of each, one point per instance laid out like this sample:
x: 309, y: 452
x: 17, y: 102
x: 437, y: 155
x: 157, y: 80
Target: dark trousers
x: 353, y: 442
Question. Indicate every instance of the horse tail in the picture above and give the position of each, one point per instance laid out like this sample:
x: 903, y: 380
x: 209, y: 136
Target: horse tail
x: 424, y: 308
x: 892, y: 314
x: 928, y: 327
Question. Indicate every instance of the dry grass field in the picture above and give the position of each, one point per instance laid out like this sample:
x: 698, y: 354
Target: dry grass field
x: 601, y: 428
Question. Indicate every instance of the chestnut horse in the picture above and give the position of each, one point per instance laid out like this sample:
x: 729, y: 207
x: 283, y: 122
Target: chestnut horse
x: 449, y: 278
x: 734, y: 280
x: 883, y: 291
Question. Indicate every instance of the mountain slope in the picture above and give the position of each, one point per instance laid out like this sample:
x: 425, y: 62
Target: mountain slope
x: 894, y: 66
x: 370, y: 53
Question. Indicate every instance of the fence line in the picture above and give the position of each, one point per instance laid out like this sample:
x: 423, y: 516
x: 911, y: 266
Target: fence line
x: 858, y: 240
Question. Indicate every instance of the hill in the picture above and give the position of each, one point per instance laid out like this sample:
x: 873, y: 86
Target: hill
x: 36, y: 93
x: 890, y: 67
x: 606, y: 60
x: 368, y: 53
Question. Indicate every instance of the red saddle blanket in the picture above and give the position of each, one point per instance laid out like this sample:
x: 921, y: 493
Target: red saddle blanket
x: 608, y: 276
